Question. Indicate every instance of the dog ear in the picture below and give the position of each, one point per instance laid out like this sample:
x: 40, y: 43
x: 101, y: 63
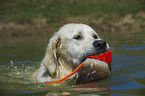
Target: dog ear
x: 50, y: 60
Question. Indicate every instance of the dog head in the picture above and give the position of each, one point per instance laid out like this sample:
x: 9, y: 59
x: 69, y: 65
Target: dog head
x: 71, y: 45
x: 81, y: 41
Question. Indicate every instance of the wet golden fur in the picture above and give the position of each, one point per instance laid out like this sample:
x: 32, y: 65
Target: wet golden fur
x: 64, y: 52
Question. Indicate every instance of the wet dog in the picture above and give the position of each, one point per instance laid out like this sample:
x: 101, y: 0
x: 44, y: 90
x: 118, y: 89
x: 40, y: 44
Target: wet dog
x: 68, y: 48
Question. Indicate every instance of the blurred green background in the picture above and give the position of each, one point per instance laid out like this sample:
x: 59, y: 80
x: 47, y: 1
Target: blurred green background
x: 59, y: 9
x: 32, y: 18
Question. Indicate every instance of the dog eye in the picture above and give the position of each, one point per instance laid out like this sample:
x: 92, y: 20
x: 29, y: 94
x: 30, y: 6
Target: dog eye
x: 95, y: 36
x: 77, y: 37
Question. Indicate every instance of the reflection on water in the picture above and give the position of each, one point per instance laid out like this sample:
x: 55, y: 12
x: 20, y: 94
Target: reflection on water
x: 19, y: 61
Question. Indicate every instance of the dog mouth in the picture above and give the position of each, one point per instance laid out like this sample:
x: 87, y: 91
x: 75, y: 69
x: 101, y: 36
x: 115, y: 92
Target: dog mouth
x: 91, y: 53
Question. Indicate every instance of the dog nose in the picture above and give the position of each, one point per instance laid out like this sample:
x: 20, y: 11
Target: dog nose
x: 100, y: 44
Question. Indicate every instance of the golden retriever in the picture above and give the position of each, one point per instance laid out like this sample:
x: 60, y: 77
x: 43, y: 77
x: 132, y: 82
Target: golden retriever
x: 67, y: 49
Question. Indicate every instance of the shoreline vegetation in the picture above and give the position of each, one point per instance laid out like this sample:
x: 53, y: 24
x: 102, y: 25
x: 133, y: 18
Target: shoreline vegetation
x: 20, y: 19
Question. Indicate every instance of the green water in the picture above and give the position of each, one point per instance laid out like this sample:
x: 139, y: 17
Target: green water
x: 19, y: 60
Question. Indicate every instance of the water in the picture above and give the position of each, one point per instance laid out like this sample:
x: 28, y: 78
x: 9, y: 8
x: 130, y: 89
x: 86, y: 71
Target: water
x: 18, y: 61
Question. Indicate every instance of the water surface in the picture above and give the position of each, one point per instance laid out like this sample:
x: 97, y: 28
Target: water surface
x: 18, y: 61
